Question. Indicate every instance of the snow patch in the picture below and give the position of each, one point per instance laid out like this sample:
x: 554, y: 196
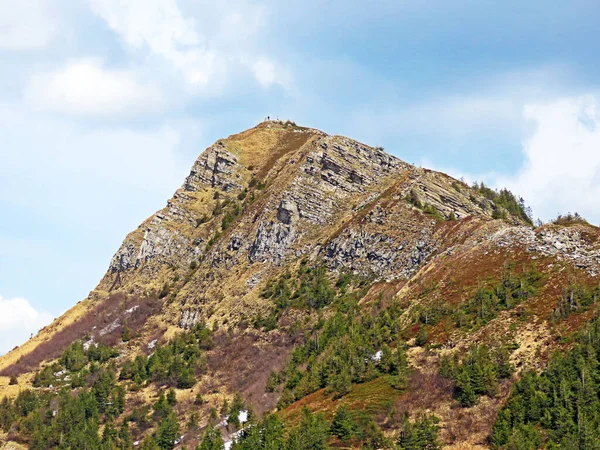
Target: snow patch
x: 376, y: 357
x: 88, y: 344
x: 109, y: 328
x: 132, y: 309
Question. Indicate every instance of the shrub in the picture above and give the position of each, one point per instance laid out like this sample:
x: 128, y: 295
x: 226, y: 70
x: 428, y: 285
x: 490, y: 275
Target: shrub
x: 413, y: 199
x: 211, y: 440
x: 569, y: 219
x: 422, y: 337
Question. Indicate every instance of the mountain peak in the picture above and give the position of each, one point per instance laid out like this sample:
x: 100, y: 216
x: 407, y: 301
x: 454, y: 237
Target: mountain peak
x: 257, y: 244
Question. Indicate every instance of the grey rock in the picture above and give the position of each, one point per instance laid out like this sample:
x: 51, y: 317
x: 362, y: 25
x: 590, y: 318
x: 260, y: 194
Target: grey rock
x: 271, y: 242
x: 287, y: 211
x: 215, y: 168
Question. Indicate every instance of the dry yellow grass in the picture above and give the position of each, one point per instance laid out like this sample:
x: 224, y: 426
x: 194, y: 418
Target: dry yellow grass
x: 11, y: 391
x: 219, y: 291
x: 465, y: 446
x: 46, y: 333
x: 9, y: 445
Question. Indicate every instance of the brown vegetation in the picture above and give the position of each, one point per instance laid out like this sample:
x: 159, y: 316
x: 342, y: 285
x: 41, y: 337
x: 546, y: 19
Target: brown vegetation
x: 103, y: 323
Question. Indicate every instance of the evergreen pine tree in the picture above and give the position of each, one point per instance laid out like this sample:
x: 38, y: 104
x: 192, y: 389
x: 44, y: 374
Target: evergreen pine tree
x: 168, y: 432
x: 343, y: 425
x: 465, y: 393
x: 211, y: 440
x: 171, y: 397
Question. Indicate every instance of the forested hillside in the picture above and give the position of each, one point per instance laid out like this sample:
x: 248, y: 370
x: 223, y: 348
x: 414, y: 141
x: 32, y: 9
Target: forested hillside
x: 307, y: 291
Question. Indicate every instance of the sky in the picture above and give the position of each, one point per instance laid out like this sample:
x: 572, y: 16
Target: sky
x: 105, y: 104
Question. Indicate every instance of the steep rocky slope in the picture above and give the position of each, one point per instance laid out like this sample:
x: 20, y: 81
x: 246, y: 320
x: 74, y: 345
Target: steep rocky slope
x: 279, y: 197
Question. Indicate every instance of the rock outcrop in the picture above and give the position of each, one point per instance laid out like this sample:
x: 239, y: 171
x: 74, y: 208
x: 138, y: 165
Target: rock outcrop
x: 278, y: 198
x: 284, y: 193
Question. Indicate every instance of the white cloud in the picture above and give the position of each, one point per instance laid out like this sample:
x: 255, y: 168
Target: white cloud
x: 26, y: 24
x: 561, y: 172
x: 456, y: 116
x: 102, y: 169
x: 125, y: 156
x: 85, y: 87
x: 266, y: 73
x: 160, y: 26
x: 205, y: 55
x: 18, y: 320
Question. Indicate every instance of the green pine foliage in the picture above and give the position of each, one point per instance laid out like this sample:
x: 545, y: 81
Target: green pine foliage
x: 575, y: 298
x: 343, y: 425
x: 211, y: 440
x: 309, y: 289
x: 505, y: 201
x: 61, y: 420
x: 75, y: 361
x: 232, y: 210
x: 514, y: 287
x: 343, y: 350
x: 85, y: 396
x: 74, y: 358
x: 168, y: 431
x: 478, y: 373
x: 413, y: 198
x: 433, y: 212
x: 312, y: 433
x: 175, y: 364
x: 421, y: 434
x: 559, y: 408
x: 233, y: 413
x: 268, y: 434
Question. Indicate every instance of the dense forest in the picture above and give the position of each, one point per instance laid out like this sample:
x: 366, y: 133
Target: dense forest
x: 347, y: 347
x: 83, y: 396
x: 560, y: 407
x: 80, y: 400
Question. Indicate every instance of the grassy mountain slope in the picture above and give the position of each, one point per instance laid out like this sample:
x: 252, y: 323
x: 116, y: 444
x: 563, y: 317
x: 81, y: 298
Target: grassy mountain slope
x: 293, y: 247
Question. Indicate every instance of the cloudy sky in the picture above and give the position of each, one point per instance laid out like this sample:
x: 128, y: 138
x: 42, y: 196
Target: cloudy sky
x: 105, y: 104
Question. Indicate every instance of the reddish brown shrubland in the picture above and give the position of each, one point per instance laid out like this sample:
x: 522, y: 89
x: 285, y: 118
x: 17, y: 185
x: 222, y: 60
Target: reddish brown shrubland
x: 89, y: 326
x: 243, y: 362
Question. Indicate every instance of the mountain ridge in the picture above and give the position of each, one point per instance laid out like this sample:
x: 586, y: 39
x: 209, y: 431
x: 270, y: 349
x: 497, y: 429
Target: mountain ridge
x: 277, y: 198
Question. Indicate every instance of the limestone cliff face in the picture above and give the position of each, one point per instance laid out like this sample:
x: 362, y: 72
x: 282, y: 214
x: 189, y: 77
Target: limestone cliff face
x: 261, y: 202
x: 289, y: 193
x: 258, y: 202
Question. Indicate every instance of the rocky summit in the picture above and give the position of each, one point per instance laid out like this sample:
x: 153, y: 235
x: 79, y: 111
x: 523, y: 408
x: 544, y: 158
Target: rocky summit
x: 302, y: 290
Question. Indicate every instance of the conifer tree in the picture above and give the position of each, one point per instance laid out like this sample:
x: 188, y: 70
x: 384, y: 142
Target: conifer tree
x: 211, y: 440
x: 168, y: 431
x: 343, y: 425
